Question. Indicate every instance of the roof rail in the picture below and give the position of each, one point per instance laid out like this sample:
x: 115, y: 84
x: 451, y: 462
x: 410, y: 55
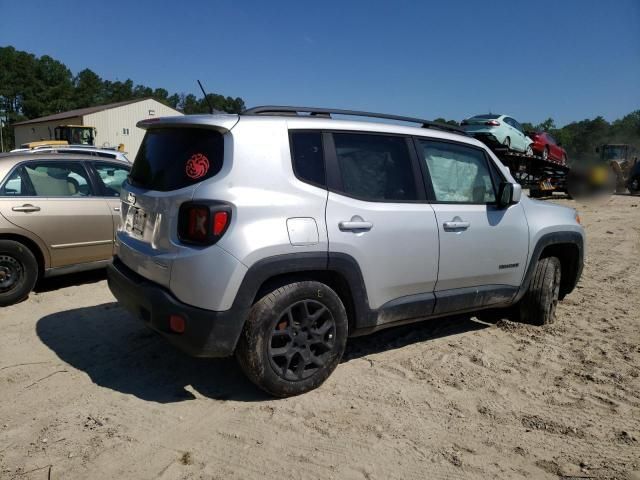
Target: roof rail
x: 326, y: 112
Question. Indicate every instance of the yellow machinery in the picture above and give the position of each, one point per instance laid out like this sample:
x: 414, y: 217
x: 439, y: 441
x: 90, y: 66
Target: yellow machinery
x: 76, y: 134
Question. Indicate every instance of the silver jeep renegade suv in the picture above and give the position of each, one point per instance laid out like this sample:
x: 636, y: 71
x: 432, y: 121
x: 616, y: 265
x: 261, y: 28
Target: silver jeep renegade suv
x: 276, y: 234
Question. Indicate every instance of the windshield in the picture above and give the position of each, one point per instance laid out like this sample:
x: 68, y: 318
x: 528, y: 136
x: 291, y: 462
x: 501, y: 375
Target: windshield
x: 488, y: 116
x: 617, y: 152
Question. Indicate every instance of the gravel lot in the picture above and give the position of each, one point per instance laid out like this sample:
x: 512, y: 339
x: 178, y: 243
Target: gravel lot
x: 85, y: 392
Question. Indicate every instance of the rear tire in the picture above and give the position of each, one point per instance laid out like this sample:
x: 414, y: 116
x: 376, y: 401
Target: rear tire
x: 507, y: 143
x: 545, y: 154
x: 18, y: 272
x: 538, y: 306
x: 634, y: 185
x: 529, y: 151
x: 293, y: 339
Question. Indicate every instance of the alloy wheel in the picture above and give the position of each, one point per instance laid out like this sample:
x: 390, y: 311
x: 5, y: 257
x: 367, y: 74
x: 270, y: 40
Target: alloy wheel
x: 302, y: 341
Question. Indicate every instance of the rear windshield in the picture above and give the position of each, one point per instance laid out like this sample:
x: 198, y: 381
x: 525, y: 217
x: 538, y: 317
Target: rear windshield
x: 488, y: 116
x: 173, y: 158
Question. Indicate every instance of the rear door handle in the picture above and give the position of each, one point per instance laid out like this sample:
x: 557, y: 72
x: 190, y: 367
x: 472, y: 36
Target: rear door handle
x: 355, y: 226
x: 26, y: 208
x: 455, y: 226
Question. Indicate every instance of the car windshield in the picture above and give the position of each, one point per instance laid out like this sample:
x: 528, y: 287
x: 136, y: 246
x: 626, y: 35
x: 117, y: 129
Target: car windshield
x: 489, y: 116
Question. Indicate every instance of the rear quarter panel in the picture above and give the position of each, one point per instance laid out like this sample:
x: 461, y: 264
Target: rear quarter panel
x: 264, y: 194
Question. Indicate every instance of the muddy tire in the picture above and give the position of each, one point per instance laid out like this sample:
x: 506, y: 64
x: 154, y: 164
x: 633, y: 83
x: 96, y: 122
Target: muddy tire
x: 293, y: 339
x: 18, y: 272
x: 538, y: 306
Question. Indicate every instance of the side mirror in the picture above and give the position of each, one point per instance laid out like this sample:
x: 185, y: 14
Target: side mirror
x: 508, y: 194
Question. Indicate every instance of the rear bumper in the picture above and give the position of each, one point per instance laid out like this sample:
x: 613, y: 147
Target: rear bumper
x: 207, y: 333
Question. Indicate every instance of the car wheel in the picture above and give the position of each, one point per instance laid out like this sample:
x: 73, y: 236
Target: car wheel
x: 293, y: 339
x: 529, y: 151
x: 507, y: 143
x: 538, y: 306
x: 545, y: 153
x: 18, y: 272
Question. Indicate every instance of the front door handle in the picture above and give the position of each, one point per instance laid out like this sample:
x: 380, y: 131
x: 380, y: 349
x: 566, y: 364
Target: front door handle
x: 26, y: 208
x: 353, y: 226
x: 455, y: 226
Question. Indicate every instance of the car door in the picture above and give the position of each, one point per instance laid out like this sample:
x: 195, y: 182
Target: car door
x: 110, y: 176
x: 554, y: 150
x: 378, y: 215
x: 483, y: 249
x: 511, y: 132
x: 522, y: 138
x: 57, y: 202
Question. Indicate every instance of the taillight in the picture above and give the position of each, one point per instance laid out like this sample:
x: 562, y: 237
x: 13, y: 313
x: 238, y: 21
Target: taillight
x: 493, y: 123
x: 203, y: 222
x: 220, y: 221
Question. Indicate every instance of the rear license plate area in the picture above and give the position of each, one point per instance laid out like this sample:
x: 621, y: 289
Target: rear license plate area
x: 136, y: 221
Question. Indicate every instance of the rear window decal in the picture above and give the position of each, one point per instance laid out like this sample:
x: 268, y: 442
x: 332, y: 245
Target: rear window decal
x: 197, y: 166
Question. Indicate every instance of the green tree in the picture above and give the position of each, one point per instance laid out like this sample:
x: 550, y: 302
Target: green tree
x: 88, y: 89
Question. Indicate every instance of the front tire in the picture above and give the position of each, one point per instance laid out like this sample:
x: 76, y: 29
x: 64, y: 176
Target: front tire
x: 634, y: 185
x: 18, y: 272
x: 538, y: 306
x: 293, y: 339
x: 545, y: 154
x: 529, y: 151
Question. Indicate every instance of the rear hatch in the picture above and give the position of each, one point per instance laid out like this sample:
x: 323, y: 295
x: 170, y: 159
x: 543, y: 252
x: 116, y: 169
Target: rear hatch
x: 174, y: 158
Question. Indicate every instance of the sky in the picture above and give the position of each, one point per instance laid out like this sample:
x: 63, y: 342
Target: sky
x: 568, y: 60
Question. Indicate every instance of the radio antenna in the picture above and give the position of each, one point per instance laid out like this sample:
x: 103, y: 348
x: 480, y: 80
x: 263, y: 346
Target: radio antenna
x: 206, y: 97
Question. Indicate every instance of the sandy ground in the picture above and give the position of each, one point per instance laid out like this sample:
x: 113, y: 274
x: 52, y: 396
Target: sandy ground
x: 87, y: 393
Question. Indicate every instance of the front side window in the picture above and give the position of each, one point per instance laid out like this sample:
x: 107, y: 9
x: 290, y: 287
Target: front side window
x: 308, y: 158
x: 112, y: 177
x: 375, y: 167
x: 459, y: 174
x: 49, y: 179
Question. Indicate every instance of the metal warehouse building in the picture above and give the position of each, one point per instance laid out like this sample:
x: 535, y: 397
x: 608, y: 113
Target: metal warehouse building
x: 115, y: 123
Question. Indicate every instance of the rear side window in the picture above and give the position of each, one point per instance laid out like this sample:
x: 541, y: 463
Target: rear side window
x: 375, y: 167
x: 173, y: 158
x: 112, y: 176
x: 48, y: 179
x: 308, y: 157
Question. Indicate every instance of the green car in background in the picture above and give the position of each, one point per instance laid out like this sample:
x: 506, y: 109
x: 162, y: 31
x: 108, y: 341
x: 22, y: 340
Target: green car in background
x: 498, y: 130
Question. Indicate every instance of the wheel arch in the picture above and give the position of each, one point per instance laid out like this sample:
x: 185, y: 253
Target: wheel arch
x: 339, y: 272
x: 568, y: 247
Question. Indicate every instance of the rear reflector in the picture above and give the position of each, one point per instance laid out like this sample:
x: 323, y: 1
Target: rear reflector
x: 176, y: 324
